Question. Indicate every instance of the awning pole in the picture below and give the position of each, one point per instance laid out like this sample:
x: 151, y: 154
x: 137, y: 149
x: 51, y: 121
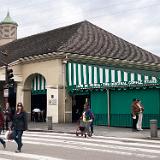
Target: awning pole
x: 108, y: 106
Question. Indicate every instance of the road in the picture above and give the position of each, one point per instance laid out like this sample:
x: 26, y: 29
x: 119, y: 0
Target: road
x: 60, y: 146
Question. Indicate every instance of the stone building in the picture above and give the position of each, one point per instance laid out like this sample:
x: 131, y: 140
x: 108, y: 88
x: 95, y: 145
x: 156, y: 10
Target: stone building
x: 59, y: 70
x: 8, y: 30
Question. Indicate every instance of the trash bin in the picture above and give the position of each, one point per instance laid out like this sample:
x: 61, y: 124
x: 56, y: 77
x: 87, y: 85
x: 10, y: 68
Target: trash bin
x: 49, y: 122
x: 153, y: 128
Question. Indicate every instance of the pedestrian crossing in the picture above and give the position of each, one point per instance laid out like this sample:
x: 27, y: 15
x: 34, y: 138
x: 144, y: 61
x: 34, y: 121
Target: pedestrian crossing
x: 130, y: 147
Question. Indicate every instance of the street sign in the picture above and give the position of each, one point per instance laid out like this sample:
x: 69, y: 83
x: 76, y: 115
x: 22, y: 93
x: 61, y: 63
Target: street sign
x: 6, y: 92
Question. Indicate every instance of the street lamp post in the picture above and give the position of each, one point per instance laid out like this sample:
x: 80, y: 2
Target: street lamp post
x: 5, y: 87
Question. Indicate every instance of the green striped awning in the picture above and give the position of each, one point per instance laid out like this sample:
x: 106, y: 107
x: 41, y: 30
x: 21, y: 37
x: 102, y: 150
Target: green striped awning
x: 38, y: 85
x: 87, y: 76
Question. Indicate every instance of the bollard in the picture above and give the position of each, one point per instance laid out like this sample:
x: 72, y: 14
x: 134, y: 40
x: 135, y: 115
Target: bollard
x: 153, y: 128
x: 49, y: 123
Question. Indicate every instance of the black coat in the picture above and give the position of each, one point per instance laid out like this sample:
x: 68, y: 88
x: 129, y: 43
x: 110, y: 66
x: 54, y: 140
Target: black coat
x: 1, y: 120
x: 19, y: 121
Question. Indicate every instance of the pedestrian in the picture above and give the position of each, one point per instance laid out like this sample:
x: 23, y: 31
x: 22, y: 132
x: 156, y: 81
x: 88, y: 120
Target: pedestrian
x: 7, y: 115
x: 1, y: 127
x: 134, y: 114
x: 140, y: 115
x: 88, y: 115
x: 19, y: 125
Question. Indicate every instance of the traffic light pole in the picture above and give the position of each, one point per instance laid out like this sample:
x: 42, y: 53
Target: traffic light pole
x: 6, y: 87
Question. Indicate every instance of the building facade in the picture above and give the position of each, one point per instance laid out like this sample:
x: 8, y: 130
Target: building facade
x: 59, y: 70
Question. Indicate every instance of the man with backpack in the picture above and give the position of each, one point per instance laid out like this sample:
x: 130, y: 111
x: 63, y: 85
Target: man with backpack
x: 88, y: 115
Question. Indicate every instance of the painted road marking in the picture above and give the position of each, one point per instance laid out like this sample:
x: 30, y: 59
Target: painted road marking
x: 27, y: 155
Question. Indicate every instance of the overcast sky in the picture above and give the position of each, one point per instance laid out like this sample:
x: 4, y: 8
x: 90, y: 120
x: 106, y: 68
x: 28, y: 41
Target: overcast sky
x: 137, y: 21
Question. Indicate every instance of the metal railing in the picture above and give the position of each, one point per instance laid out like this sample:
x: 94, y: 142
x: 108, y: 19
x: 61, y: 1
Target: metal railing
x: 124, y: 120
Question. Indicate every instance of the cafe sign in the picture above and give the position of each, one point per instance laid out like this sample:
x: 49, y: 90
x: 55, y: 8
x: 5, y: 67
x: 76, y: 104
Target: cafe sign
x: 118, y: 84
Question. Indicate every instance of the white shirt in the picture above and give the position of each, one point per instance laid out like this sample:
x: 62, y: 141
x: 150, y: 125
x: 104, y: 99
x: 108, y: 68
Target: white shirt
x: 36, y: 110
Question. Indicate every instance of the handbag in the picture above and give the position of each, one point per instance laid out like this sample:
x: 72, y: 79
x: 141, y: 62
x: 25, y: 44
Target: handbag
x: 9, y: 135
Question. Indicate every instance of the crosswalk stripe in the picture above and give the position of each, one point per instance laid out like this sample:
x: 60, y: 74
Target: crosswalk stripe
x: 95, y: 145
x: 93, y: 149
x: 4, y: 159
x: 91, y: 140
x: 130, y: 139
x: 115, y: 141
x: 122, y: 146
x: 27, y: 155
x: 99, y: 137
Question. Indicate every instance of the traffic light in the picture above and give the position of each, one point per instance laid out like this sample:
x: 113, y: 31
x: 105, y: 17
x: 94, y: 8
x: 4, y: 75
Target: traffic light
x: 9, y: 77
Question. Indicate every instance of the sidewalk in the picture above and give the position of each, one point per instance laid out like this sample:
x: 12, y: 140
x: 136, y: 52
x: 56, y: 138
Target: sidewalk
x: 98, y: 130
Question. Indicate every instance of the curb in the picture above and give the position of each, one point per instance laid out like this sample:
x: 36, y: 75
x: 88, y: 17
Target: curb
x: 49, y: 131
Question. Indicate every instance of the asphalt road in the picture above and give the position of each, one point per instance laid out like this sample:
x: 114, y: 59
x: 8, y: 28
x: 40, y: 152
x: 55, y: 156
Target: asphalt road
x: 60, y: 146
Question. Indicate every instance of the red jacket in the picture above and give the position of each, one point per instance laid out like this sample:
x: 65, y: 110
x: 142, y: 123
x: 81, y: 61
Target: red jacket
x: 1, y: 119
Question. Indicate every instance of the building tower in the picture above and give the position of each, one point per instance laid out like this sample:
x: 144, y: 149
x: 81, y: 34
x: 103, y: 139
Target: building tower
x: 8, y: 30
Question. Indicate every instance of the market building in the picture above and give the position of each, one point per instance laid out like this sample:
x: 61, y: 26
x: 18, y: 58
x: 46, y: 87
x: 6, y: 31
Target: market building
x: 59, y: 70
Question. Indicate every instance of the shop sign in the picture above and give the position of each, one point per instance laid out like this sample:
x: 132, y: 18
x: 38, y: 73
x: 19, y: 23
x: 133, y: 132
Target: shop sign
x: 118, y: 84
x: 52, y: 101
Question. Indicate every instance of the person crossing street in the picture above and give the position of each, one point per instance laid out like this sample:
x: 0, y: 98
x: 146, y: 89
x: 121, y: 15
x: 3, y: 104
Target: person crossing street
x: 1, y: 127
x: 19, y: 125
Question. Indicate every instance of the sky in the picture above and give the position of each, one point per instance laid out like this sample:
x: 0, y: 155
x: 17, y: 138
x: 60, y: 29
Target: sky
x: 136, y: 21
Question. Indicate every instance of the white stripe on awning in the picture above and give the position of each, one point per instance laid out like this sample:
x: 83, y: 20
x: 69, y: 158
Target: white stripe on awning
x: 90, y: 74
x: 95, y: 75
x: 79, y: 74
x: 74, y: 71
x: 84, y: 74
x: 70, y: 78
x: 112, y: 75
x: 125, y: 76
x: 107, y: 75
x: 119, y: 76
x: 101, y: 75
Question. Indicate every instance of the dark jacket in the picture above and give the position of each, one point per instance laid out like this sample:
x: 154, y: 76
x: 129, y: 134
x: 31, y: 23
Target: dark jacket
x: 1, y: 120
x: 7, y: 114
x: 19, y: 121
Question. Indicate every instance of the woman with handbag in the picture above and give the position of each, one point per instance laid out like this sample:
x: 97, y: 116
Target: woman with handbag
x: 19, y: 125
x: 140, y: 115
x: 134, y: 114
x: 1, y: 127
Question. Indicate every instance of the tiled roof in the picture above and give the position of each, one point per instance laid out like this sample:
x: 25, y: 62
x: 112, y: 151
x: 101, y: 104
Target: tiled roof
x: 82, y: 38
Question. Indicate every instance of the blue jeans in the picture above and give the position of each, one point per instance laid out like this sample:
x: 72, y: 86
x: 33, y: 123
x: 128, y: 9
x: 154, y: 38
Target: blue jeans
x: 17, y: 136
x: 1, y: 140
